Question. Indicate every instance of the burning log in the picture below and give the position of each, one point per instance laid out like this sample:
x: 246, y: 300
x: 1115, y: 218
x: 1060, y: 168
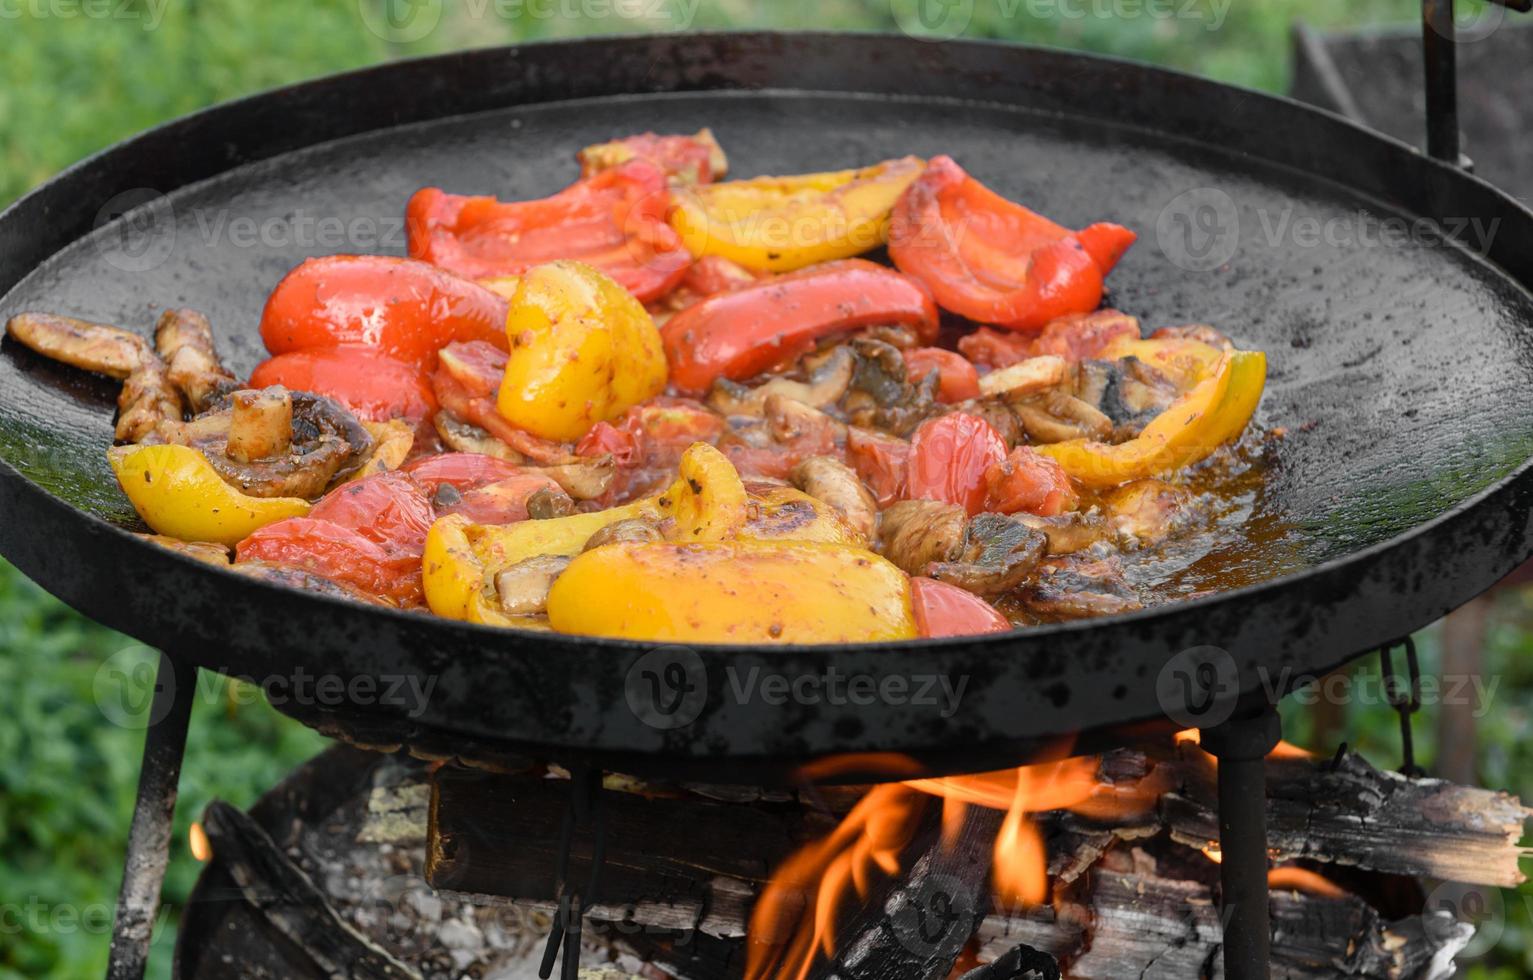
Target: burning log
x: 1134, y: 882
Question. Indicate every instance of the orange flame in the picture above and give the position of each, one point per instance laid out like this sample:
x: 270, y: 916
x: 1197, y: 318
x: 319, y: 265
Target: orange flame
x: 794, y: 921
x: 1305, y: 881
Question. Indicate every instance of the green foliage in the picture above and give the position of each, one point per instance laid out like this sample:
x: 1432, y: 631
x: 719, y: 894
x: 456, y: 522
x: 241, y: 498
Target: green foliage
x: 73, y: 83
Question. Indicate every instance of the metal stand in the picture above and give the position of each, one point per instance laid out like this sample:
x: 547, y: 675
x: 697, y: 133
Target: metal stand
x: 1241, y: 746
x: 1441, y: 60
x: 175, y: 688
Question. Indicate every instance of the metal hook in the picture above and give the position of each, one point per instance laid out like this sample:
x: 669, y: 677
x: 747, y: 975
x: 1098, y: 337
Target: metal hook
x: 1406, y: 704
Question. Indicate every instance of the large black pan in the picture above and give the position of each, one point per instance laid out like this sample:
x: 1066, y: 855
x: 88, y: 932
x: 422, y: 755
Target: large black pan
x: 1400, y: 366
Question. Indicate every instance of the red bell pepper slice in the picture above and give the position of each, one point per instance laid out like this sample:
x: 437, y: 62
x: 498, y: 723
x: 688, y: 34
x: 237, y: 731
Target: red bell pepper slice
x: 694, y: 159
x: 750, y: 329
x: 614, y: 220
x: 949, y: 457
x: 943, y: 609
x: 403, y: 308
x: 372, y: 384
x: 338, y: 553
x: 995, y: 261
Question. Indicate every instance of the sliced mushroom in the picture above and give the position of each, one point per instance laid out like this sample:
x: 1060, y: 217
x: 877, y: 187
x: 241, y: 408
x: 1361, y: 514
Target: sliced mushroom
x: 882, y: 396
x: 1070, y: 532
x: 1027, y: 377
x: 1056, y: 416
x: 328, y: 444
x: 522, y: 588
x: 88, y: 346
x: 792, y: 421
x: 149, y: 407
x: 1079, y: 587
x: 543, y: 505
x: 999, y: 415
x: 463, y: 437
x: 184, y: 341
x: 584, y: 479
x: 915, y: 533
x: 828, y: 381
x: 834, y: 483
x: 634, y: 530
x: 997, y: 555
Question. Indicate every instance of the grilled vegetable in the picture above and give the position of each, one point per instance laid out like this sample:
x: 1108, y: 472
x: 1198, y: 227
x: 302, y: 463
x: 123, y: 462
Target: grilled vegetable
x: 613, y: 221
x: 583, y: 351
x: 779, y: 224
x: 947, y: 610
x: 733, y: 592
x: 696, y: 159
x: 994, y: 261
x: 179, y: 494
x: 373, y: 385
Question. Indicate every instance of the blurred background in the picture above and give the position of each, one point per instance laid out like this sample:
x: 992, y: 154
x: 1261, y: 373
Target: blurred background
x: 78, y: 75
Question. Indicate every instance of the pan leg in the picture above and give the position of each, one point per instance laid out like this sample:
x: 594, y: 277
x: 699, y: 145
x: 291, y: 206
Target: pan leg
x: 175, y: 688
x: 1241, y: 746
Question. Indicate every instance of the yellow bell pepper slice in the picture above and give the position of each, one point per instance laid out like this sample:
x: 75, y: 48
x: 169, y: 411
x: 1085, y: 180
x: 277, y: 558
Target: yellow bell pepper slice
x: 778, y: 224
x: 1185, y: 361
x: 457, y: 583
x: 1213, y: 413
x: 583, y: 351
x: 708, y: 500
x: 786, y: 514
x: 502, y: 285
x: 733, y: 592
x: 179, y: 494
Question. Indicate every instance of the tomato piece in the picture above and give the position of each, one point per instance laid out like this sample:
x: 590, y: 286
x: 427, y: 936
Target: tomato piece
x: 391, y: 509
x: 501, y: 502
x: 476, y: 365
x: 339, y: 553
x: 943, y: 609
x: 881, y: 462
x: 993, y: 260
x: 614, y: 220
x: 696, y: 159
x: 374, y: 385
x: 461, y: 471
x: 1029, y: 481
x: 745, y: 331
x: 956, y: 378
x: 606, y: 439
x: 403, y: 308
x: 949, y: 457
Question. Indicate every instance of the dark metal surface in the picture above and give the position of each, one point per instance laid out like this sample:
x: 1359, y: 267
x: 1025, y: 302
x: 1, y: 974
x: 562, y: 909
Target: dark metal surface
x: 138, y: 902
x: 1398, y: 369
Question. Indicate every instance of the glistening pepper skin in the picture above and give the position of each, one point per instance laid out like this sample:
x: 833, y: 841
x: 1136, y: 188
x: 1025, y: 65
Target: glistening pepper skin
x: 754, y: 328
x: 993, y: 260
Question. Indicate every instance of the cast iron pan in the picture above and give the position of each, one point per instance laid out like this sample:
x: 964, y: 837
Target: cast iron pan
x: 1399, y: 367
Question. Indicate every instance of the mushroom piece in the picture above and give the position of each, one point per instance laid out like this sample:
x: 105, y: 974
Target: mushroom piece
x: 184, y: 341
x: 1128, y: 392
x: 634, y: 530
x: 790, y: 421
x: 828, y: 381
x: 882, y: 396
x: 834, y: 483
x: 522, y: 588
x: 1025, y: 378
x: 585, y: 478
x: 260, y: 424
x: 392, y: 442
x: 111, y: 351
x: 1056, y: 416
x: 1078, y: 587
x: 989, y: 554
x: 149, y: 407
x: 998, y: 415
x: 543, y: 505
x: 1147, y: 511
x: 1069, y: 532
x: 998, y: 554
x: 327, y: 444
x: 464, y: 437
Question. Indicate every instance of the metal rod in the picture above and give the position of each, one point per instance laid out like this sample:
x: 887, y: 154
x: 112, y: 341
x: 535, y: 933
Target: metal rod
x: 1241, y: 746
x: 1440, y: 57
x: 175, y: 688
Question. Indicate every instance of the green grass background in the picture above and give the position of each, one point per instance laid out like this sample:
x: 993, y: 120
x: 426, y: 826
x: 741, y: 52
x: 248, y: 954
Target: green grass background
x: 77, y: 75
